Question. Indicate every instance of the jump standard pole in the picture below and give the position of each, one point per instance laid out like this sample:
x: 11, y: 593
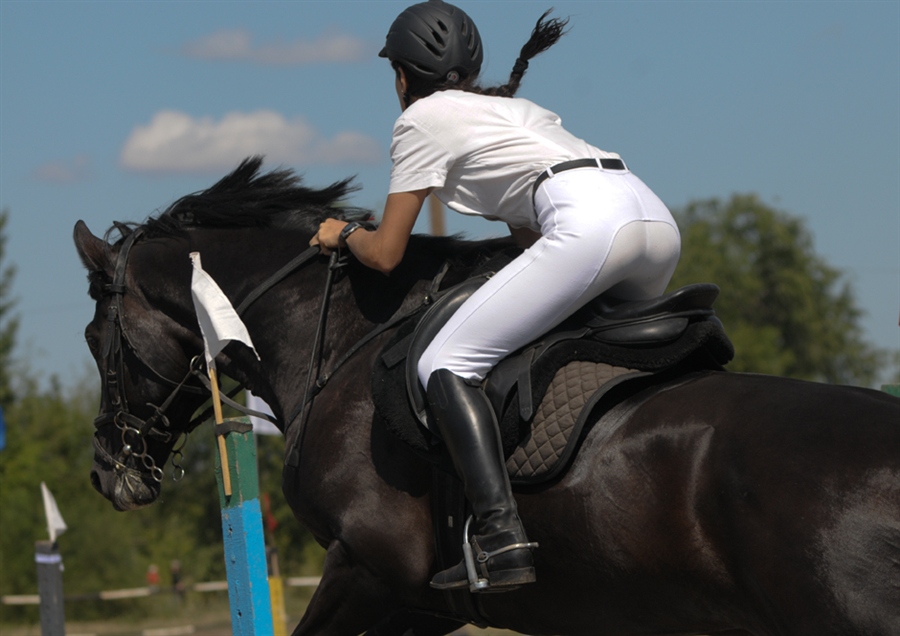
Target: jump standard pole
x: 50, y: 588
x: 242, y: 531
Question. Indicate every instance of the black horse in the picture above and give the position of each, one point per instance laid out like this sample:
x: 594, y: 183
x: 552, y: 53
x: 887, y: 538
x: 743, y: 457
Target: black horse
x: 711, y: 503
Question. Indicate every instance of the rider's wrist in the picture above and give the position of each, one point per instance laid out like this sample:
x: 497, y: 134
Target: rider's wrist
x: 347, y: 230
x: 351, y: 227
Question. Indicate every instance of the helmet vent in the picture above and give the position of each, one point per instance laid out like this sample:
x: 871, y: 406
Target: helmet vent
x: 428, y: 45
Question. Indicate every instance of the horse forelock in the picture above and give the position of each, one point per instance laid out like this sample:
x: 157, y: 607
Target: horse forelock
x: 249, y: 198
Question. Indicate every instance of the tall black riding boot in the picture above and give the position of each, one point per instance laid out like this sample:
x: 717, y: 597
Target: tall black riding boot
x: 465, y: 420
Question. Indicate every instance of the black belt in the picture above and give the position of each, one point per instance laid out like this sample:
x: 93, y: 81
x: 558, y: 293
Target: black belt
x: 606, y: 164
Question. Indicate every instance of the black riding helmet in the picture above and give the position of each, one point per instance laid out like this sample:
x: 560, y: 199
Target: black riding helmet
x: 435, y: 40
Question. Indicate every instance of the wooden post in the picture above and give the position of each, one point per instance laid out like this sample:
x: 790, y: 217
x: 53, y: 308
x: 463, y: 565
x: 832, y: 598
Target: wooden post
x: 50, y: 588
x: 279, y: 616
x: 223, y: 451
x: 276, y: 591
x: 242, y: 530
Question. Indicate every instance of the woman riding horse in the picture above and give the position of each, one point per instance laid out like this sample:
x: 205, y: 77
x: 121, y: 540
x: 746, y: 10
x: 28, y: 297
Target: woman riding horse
x: 590, y: 226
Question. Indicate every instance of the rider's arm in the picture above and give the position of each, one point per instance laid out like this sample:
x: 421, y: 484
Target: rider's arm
x: 381, y: 249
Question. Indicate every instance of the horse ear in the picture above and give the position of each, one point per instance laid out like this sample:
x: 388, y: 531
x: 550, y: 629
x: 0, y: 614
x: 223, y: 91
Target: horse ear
x: 93, y: 251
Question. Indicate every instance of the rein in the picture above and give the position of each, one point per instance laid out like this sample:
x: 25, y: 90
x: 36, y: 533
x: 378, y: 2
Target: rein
x: 134, y: 430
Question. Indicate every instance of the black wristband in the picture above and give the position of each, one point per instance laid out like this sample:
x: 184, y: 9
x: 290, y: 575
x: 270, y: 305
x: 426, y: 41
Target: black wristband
x: 349, y: 229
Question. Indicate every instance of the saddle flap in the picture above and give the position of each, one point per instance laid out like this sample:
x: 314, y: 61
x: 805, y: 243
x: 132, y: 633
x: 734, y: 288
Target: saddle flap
x: 547, y: 446
x: 432, y: 322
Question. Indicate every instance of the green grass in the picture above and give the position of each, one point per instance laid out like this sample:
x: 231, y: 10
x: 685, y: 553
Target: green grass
x: 207, y: 614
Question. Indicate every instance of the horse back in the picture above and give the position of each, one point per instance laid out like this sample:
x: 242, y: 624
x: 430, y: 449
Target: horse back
x: 776, y: 494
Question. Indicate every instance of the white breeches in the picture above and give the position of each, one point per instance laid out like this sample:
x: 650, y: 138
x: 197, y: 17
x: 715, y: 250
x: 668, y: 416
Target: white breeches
x: 602, y: 231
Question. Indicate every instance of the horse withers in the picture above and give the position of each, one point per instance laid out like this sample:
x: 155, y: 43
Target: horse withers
x: 708, y: 502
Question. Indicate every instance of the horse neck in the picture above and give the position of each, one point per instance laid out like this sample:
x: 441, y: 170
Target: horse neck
x: 240, y: 261
x: 283, y: 322
x: 359, y: 302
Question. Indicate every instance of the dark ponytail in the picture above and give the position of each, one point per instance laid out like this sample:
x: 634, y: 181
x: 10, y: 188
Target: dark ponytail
x: 546, y: 33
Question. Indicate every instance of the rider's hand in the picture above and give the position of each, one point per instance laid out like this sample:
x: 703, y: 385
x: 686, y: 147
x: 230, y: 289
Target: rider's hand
x: 328, y: 238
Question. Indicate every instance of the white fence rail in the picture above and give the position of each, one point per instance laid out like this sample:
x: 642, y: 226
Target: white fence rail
x: 139, y: 592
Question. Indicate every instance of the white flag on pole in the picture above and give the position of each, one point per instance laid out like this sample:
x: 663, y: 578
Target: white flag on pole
x: 261, y: 426
x: 219, y: 322
x: 55, y: 524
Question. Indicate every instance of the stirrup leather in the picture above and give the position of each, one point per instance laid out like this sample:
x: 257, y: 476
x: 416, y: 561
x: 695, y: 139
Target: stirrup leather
x: 476, y: 583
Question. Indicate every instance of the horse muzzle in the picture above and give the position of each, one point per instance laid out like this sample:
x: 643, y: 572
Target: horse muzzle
x: 126, y: 486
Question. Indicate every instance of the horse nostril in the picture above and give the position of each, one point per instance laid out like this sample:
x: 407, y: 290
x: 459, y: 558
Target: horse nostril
x: 95, y: 481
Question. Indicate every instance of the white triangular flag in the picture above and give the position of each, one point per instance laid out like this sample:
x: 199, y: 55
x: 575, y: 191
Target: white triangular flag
x: 55, y: 524
x: 219, y: 322
x: 261, y: 426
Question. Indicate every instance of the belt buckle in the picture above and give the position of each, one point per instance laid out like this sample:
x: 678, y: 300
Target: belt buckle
x: 611, y: 163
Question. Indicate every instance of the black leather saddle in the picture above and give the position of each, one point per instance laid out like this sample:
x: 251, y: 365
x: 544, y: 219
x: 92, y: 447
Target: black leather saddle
x: 638, y: 324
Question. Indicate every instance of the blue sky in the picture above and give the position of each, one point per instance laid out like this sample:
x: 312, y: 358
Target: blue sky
x: 111, y: 110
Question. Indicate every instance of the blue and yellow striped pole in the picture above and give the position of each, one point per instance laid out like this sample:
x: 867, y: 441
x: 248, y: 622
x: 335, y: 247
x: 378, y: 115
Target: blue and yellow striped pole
x: 242, y: 530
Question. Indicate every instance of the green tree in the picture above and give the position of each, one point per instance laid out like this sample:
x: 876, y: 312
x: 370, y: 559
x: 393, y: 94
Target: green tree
x: 9, y: 323
x: 786, y: 310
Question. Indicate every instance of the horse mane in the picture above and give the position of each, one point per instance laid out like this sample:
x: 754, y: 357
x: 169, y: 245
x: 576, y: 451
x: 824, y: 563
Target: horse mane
x: 248, y: 198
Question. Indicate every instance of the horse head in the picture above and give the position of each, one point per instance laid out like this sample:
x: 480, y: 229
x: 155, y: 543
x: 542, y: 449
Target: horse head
x: 144, y: 335
x: 145, y: 361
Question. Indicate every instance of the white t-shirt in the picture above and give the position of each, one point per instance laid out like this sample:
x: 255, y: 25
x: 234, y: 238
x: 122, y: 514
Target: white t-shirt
x: 481, y: 153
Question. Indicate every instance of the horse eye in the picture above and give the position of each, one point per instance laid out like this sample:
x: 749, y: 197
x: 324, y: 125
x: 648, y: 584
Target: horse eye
x: 92, y: 343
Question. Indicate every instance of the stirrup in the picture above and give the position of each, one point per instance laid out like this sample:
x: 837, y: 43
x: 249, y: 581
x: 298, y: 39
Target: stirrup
x: 476, y: 583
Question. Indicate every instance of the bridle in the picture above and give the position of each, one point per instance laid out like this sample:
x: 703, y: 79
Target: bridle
x: 134, y: 431
x: 115, y: 410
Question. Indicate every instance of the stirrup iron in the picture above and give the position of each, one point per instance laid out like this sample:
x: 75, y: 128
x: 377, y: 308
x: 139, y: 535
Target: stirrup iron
x: 476, y: 583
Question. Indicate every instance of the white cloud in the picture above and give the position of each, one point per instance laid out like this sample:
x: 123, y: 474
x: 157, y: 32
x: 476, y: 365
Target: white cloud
x: 65, y: 170
x: 237, y: 45
x: 176, y: 142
